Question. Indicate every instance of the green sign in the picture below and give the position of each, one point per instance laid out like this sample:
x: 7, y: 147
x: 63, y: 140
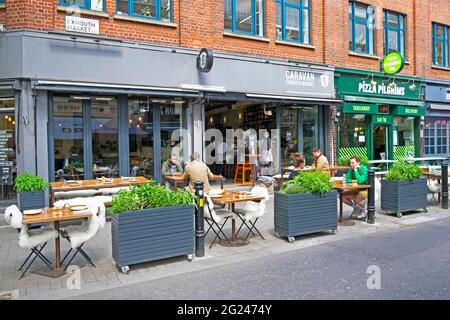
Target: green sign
x: 360, y: 108
x: 383, y: 120
x: 409, y: 111
x: 392, y: 63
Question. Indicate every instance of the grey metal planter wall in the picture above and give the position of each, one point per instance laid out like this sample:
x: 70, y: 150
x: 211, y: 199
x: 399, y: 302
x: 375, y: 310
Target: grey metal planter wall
x: 152, y: 234
x: 299, y: 214
x: 31, y: 200
x: 401, y: 196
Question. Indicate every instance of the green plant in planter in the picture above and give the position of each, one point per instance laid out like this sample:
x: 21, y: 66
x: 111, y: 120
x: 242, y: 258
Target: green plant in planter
x: 27, y: 182
x: 404, y: 171
x: 308, y: 182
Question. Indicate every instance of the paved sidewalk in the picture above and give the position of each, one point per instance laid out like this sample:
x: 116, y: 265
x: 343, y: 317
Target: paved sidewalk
x: 107, y: 276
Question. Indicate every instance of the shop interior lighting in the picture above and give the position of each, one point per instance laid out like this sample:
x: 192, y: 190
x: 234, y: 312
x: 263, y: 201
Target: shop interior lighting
x: 103, y: 99
x: 80, y: 98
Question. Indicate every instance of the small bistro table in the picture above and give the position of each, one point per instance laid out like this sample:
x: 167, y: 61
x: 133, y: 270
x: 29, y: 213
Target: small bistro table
x: 182, y: 180
x: 56, y: 215
x: 92, y: 184
x: 341, y: 189
x: 230, y: 199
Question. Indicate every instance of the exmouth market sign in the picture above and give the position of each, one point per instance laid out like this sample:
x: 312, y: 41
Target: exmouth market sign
x: 82, y: 25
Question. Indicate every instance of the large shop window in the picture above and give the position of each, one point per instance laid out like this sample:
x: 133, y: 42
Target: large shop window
x: 289, y: 136
x: 441, y: 45
x: 244, y: 16
x: 150, y: 9
x: 403, y: 131
x: 353, y: 131
x: 140, y: 130
x: 293, y: 20
x: 310, y: 132
x: 361, y: 28
x: 394, y: 32
x: 437, y: 137
x: 95, y: 5
x: 171, y: 120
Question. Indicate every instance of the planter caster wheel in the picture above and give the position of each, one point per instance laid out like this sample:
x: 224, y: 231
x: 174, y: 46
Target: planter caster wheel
x: 333, y: 232
x: 125, y: 269
x: 398, y: 214
x: 190, y: 257
x: 291, y: 239
x: 425, y: 210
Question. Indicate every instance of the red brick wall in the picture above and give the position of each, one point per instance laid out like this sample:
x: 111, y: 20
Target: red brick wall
x: 199, y: 23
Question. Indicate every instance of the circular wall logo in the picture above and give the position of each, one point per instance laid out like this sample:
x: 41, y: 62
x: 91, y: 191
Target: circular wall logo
x: 392, y: 63
x: 205, y: 60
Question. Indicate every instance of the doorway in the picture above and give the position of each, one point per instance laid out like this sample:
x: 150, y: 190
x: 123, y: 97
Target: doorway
x: 380, y: 143
x: 8, y: 147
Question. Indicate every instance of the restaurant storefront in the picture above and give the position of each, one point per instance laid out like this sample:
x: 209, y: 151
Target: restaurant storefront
x: 380, y: 117
x: 437, y: 119
x: 92, y: 107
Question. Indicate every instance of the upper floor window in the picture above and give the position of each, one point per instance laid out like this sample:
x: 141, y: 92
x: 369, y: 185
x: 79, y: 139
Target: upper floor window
x: 96, y: 5
x: 244, y: 16
x: 361, y: 26
x: 293, y: 20
x: 394, y: 32
x: 441, y: 45
x: 2, y: 1
x: 151, y: 9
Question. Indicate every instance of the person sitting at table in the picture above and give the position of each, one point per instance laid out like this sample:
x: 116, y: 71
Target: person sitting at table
x: 197, y: 170
x: 320, y: 162
x: 299, y: 161
x: 356, y: 198
x: 171, y: 167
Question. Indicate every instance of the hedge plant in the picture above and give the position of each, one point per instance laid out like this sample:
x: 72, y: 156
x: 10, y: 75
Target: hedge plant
x: 404, y: 171
x: 308, y: 182
x: 28, y: 182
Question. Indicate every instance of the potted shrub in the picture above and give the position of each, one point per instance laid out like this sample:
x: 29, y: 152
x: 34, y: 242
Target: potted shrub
x: 30, y: 190
x: 404, y: 189
x: 150, y: 222
x: 306, y: 204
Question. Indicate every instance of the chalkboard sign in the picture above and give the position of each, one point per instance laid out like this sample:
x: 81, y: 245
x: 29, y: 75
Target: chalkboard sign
x: 5, y: 175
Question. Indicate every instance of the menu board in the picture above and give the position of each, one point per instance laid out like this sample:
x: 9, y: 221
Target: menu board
x: 4, y: 138
x: 5, y: 175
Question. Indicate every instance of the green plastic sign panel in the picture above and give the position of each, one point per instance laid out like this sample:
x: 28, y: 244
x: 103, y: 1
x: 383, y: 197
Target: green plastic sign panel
x: 382, y: 120
x: 409, y: 111
x: 360, y: 108
x: 392, y: 63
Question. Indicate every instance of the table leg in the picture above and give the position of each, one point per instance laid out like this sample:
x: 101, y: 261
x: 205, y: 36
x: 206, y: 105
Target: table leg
x: 341, y: 206
x: 52, y: 197
x: 57, y: 248
x: 235, y: 242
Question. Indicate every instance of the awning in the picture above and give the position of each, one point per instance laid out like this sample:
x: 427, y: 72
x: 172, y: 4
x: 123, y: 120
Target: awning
x: 384, y: 101
x: 445, y: 107
x: 99, y: 88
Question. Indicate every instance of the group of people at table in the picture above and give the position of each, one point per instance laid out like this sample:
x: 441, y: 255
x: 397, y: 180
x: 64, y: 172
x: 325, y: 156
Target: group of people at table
x: 196, y: 170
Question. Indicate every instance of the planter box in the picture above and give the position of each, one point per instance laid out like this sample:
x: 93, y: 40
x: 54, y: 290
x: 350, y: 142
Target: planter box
x: 305, y: 213
x: 152, y: 234
x: 31, y: 200
x: 401, y: 196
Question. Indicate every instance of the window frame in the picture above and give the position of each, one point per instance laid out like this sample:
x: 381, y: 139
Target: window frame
x: 158, y: 11
x: 370, y: 47
x: 399, y: 30
x: 254, y: 32
x: 300, y: 7
x: 86, y: 6
x: 2, y: 1
x: 445, y: 43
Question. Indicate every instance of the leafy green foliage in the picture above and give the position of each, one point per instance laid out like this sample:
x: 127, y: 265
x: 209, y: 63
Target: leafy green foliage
x: 345, y: 161
x: 27, y: 182
x: 77, y: 163
x: 308, y: 182
x: 404, y: 171
x: 150, y: 195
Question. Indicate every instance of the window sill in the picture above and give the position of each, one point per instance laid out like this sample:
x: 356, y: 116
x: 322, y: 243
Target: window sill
x: 2, y: 6
x: 243, y: 36
x: 83, y: 12
x: 441, y: 68
x: 295, y: 44
x: 143, y: 20
x: 368, y: 56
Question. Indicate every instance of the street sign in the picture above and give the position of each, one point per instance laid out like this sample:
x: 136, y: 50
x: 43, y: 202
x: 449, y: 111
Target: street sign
x: 392, y: 63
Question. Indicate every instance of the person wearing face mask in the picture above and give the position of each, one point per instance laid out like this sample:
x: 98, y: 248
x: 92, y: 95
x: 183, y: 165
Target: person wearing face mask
x: 357, y: 198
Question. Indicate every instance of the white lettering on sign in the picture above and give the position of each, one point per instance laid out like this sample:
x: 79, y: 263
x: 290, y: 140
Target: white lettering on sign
x: 77, y: 24
x: 367, y: 87
x: 300, y: 78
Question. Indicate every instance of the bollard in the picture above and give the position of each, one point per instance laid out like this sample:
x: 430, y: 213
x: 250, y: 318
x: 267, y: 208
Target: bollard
x: 371, y: 198
x: 444, y: 173
x: 199, y: 223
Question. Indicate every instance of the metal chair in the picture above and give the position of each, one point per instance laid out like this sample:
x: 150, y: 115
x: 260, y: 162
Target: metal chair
x: 216, y: 220
x: 79, y: 235
x: 35, y: 240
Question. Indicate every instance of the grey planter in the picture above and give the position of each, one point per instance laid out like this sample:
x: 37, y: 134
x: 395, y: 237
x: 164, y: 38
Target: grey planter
x: 401, y: 196
x: 299, y: 214
x: 152, y: 234
x: 31, y: 200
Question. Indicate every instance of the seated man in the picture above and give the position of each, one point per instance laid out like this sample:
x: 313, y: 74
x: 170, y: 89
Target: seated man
x: 171, y: 167
x: 197, y: 170
x: 320, y: 162
x: 356, y: 198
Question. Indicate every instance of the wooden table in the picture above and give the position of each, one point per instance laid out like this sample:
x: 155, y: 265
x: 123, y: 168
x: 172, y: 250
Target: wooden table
x: 92, y: 184
x: 341, y: 189
x: 336, y: 168
x: 183, y: 180
x: 231, y: 198
x: 55, y: 215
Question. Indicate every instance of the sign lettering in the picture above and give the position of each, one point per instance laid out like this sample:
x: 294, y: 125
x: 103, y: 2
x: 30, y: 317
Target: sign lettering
x: 82, y: 25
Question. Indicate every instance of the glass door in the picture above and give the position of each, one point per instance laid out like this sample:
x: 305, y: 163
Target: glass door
x: 7, y: 145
